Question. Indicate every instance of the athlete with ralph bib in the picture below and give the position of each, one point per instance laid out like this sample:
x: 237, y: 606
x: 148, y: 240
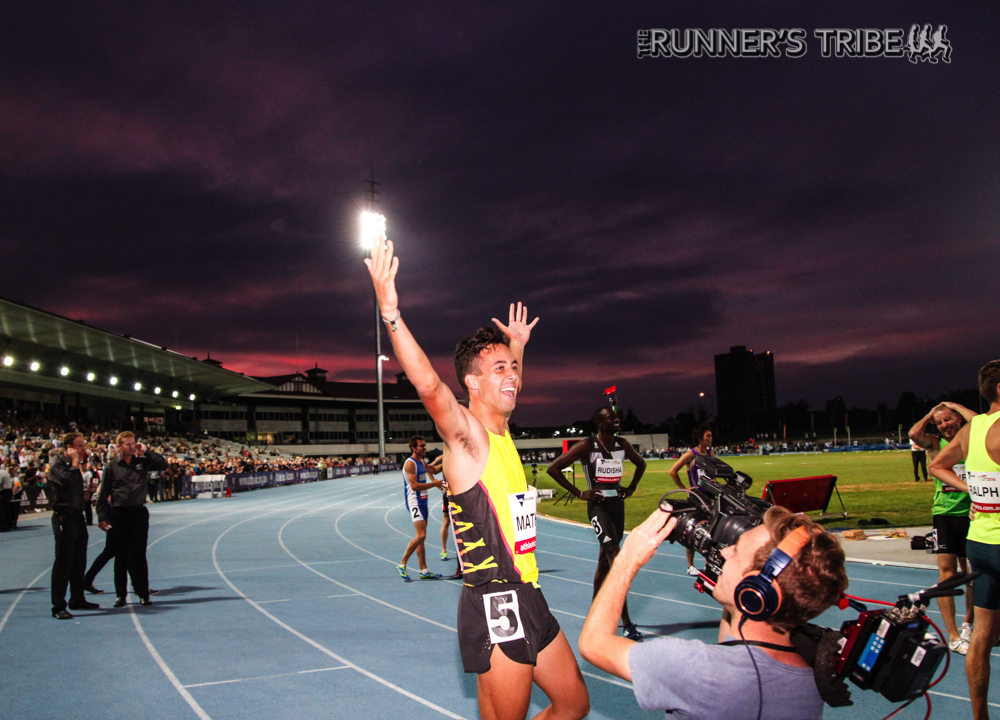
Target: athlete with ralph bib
x: 415, y: 487
x: 978, y: 442
x: 506, y: 633
x: 602, y: 457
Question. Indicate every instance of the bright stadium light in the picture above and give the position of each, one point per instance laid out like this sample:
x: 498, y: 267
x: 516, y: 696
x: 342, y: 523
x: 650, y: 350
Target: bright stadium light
x: 91, y: 377
x: 177, y: 407
x: 34, y: 366
x: 372, y: 229
x: 191, y: 397
x: 156, y: 391
x: 8, y: 361
x: 138, y: 387
x: 64, y: 371
x: 113, y: 380
x: 174, y: 394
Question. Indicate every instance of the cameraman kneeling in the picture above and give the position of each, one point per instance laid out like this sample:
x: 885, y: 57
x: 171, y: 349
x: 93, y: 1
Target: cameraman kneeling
x: 695, y: 680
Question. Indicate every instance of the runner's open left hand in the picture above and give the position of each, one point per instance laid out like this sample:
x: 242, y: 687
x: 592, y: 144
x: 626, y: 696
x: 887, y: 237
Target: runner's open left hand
x: 517, y: 329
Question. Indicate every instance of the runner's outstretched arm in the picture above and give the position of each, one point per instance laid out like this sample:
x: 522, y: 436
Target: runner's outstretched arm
x: 440, y: 401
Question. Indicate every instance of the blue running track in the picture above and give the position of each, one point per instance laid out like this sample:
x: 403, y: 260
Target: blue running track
x: 285, y: 603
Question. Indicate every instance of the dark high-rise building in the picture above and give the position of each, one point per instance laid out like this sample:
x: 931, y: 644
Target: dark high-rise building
x: 744, y: 385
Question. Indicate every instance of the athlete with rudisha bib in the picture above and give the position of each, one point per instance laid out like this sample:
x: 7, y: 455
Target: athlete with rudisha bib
x: 602, y: 456
x: 506, y: 633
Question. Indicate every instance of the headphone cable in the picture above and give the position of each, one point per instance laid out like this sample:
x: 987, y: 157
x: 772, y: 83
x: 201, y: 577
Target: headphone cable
x: 760, y: 685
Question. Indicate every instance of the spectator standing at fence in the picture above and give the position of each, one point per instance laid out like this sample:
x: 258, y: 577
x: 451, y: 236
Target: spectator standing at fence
x: 121, y: 505
x: 6, y: 497
x: 65, y: 489
x: 949, y: 513
x: 919, y: 457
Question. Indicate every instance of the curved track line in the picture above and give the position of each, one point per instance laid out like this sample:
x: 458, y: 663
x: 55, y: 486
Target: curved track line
x: 10, y: 610
x: 348, y: 587
x: 166, y: 668
x: 337, y: 527
x: 188, y: 698
x: 318, y: 646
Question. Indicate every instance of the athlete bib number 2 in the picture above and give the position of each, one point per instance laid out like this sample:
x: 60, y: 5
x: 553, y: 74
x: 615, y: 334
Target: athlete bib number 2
x: 503, y: 617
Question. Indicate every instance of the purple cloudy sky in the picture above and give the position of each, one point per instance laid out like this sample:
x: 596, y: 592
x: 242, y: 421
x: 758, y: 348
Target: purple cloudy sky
x: 190, y: 173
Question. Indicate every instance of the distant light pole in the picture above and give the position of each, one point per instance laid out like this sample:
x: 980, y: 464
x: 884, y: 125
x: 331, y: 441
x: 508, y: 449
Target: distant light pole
x: 711, y: 397
x: 372, y: 233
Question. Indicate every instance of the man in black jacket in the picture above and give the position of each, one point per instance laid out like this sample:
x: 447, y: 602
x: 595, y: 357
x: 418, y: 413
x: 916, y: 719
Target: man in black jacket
x: 65, y: 488
x: 121, y: 503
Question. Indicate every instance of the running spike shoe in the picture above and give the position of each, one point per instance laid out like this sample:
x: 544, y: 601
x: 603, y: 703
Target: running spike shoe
x: 401, y: 569
x: 428, y: 575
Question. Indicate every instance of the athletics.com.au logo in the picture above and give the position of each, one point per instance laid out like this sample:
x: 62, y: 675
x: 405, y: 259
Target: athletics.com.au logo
x: 920, y: 44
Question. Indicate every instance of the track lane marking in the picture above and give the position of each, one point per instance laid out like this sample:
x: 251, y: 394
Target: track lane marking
x: 317, y: 645
x: 267, y: 677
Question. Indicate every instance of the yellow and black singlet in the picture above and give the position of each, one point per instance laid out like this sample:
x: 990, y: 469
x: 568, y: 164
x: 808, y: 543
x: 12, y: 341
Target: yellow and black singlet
x: 495, y: 520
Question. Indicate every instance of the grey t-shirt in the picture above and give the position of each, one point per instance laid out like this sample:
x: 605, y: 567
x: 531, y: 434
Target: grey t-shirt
x: 690, y: 679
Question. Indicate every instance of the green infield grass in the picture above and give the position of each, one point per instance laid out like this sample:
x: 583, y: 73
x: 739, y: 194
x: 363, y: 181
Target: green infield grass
x: 872, y: 485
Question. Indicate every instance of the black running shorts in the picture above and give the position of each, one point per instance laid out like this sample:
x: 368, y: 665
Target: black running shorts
x: 986, y: 559
x: 608, y: 519
x: 511, y: 615
x: 950, y: 532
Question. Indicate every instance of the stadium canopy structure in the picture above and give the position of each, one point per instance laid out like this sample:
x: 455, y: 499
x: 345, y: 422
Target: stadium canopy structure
x: 48, y: 360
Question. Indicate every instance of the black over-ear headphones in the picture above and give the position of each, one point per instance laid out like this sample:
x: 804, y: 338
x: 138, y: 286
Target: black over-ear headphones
x: 757, y: 595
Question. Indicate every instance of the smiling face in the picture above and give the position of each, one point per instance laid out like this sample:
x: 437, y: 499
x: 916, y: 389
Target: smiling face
x: 496, y: 382
x: 739, y: 560
x: 948, y: 423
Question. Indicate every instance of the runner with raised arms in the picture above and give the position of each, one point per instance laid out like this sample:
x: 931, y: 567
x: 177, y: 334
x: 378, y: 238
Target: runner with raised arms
x: 507, y: 635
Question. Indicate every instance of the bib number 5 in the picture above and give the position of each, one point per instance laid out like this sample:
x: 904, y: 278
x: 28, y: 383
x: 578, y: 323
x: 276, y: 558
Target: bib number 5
x: 503, y: 617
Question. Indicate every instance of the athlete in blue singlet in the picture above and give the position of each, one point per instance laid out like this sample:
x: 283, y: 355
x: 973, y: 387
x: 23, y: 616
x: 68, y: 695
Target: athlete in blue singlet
x: 415, y: 487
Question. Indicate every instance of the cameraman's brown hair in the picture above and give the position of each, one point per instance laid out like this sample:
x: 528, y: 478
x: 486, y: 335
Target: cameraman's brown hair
x: 989, y: 378
x: 467, y: 351
x: 815, y: 578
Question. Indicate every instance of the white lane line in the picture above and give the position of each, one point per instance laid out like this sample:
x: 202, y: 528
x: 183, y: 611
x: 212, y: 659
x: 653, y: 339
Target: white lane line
x: 263, y: 602
x: 344, y: 595
x: 13, y: 605
x: 267, y: 677
x: 639, y: 594
x: 257, y: 569
x: 166, y: 669
x: 318, y: 646
x: 555, y: 610
x: 594, y: 562
x: 217, y: 516
x: 336, y: 526
x: 956, y: 697
x: 156, y: 655
x: 620, y: 683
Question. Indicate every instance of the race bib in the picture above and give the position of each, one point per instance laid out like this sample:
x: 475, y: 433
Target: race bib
x: 522, y: 514
x: 959, y: 470
x: 608, y: 471
x: 984, y: 488
x: 503, y: 618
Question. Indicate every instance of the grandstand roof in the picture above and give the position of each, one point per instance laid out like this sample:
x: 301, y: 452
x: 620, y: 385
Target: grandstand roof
x: 28, y: 335
x: 299, y: 384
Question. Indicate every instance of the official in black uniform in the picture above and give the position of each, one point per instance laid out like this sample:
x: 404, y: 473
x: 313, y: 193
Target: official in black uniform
x: 65, y: 489
x: 603, y: 457
x: 121, y: 504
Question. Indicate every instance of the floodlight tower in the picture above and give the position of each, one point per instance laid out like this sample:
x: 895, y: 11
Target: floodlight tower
x: 372, y: 233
